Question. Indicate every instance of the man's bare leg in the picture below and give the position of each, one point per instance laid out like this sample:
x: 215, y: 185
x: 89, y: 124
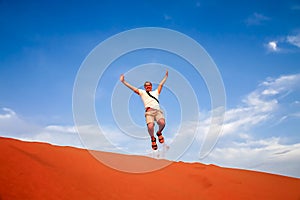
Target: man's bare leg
x: 151, y: 133
x: 161, y: 124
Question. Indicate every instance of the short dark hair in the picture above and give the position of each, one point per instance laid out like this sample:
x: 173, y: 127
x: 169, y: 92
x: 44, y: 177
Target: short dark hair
x: 147, y: 82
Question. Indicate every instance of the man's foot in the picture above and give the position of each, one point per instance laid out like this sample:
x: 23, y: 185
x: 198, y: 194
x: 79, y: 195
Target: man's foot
x: 154, y: 145
x: 160, y: 137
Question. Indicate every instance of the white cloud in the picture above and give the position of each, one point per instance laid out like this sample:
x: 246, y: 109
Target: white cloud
x: 296, y: 102
x: 256, y: 19
x: 58, y: 135
x: 295, y: 7
x: 239, y: 148
x: 266, y: 155
x: 288, y: 116
x: 260, y: 104
x: 294, y: 40
x: 8, y: 113
x: 270, y: 92
x: 285, y: 43
x: 167, y: 17
x: 283, y: 83
x: 14, y: 126
x: 55, y: 128
x: 272, y: 46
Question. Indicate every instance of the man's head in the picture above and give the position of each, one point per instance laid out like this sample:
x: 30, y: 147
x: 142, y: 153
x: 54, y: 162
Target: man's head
x: 148, y: 86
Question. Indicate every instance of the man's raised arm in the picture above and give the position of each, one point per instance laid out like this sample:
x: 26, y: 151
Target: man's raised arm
x: 122, y: 79
x: 159, y: 88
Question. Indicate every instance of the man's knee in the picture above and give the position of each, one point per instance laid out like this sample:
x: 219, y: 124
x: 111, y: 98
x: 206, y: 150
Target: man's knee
x: 150, y: 125
x: 161, y: 122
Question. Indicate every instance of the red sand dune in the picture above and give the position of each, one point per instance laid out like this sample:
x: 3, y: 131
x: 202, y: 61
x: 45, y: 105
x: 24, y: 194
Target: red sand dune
x: 31, y: 170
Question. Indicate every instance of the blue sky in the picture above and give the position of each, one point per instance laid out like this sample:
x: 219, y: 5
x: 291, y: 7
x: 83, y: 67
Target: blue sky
x: 254, y: 44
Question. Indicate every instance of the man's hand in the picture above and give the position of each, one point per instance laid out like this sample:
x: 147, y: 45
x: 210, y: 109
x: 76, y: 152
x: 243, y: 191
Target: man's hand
x: 122, y: 79
x: 159, y: 88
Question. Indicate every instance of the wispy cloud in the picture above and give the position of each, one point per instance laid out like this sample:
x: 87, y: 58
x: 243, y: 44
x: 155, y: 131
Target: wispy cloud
x: 267, y: 155
x: 198, y: 4
x: 167, y: 17
x: 294, y: 40
x: 14, y: 126
x: 259, y: 105
x: 284, y: 44
x: 238, y: 147
x: 295, y: 7
x: 90, y: 136
x: 8, y: 113
x: 256, y: 19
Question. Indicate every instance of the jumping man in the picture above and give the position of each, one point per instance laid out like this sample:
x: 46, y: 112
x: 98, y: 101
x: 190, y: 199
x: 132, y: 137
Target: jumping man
x: 152, y: 109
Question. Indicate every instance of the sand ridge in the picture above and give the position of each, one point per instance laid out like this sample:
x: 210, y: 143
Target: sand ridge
x: 32, y: 170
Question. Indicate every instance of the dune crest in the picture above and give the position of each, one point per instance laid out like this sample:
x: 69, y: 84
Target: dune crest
x: 31, y: 170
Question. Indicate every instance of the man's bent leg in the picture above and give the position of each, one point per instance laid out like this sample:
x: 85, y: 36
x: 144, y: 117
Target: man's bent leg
x: 151, y: 129
x: 151, y: 133
x: 161, y: 124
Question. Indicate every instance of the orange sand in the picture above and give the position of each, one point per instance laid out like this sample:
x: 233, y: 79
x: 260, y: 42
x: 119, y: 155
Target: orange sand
x: 30, y: 170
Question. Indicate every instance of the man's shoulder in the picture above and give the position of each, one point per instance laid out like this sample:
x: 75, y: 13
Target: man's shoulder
x: 155, y: 91
x: 141, y: 91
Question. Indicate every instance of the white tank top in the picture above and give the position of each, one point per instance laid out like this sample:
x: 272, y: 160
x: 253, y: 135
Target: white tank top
x: 149, y: 101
